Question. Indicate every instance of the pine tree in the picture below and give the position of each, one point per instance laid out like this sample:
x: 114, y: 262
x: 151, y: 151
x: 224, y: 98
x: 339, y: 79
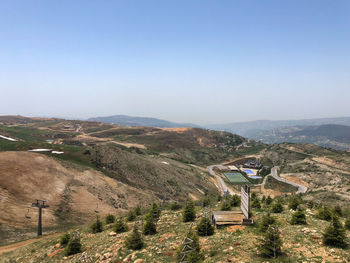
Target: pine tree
x: 206, y: 201
x: 155, y: 211
x: 134, y: 240
x: 256, y: 203
x: 347, y: 223
x: 74, y: 245
x: 205, y: 227
x: 137, y: 210
x: 191, y: 245
x: 149, y: 227
x: 131, y: 216
x: 324, y: 213
x: 277, y: 207
x: 338, y: 211
x: 175, y: 206
x: 120, y: 226
x: 235, y: 200
x: 334, y: 234
x: 294, y: 202
x: 189, y: 213
x: 270, y: 245
x: 298, y: 218
x: 96, y: 226
x: 266, y: 221
x: 110, y: 219
x: 268, y: 200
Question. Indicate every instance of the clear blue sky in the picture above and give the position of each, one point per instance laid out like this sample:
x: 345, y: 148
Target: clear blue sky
x: 189, y: 61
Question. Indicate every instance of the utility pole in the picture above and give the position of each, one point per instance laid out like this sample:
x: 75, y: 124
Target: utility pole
x: 40, y: 204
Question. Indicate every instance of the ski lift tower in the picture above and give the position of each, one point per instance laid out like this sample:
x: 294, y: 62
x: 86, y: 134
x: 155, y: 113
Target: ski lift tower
x: 40, y: 204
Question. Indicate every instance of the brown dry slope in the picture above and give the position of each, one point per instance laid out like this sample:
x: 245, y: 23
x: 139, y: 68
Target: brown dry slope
x: 72, y: 194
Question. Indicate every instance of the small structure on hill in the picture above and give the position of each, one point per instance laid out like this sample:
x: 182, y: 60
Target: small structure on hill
x: 253, y: 164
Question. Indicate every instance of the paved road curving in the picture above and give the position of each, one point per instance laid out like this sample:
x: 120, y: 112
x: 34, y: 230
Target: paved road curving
x: 221, y: 182
x: 274, y: 174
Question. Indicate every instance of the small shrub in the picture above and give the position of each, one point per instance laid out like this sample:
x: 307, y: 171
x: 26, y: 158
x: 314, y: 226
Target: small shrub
x: 338, y: 211
x: 277, y: 207
x: 138, y: 211
x: 235, y: 200
x: 110, y: 219
x: 298, y: 218
x: 205, y: 227
x: 225, y: 206
x: 334, y: 234
x: 256, y: 203
x: 175, y: 206
x: 149, y: 227
x: 65, y: 239
x: 73, y: 246
x: 324, y: 213
x: 268, y: 200
x: 134, y: 240
x: 130, y: 216
x: 294, y: 202
x: 266, y: 221
x: 96, y: 226
x: 120, y: 226
x: 189, y: 213
x: 206, y: 201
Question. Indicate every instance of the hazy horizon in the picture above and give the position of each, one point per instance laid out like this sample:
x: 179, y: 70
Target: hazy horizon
x: 200, y: 62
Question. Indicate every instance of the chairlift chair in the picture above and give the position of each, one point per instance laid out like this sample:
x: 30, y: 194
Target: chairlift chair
x: 96, y: 209
x: 27, y: 215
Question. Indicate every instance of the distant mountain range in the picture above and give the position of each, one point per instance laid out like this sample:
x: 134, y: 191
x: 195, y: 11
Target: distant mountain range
x: 249, y: 129
x: 328, y: 135
x: 141, y: 121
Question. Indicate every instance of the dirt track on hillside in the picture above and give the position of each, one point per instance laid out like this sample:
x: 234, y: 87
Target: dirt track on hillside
x: 14, y: 246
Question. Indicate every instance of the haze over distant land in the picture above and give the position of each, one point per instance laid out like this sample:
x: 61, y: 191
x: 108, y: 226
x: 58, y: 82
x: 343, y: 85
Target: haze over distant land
x: 184, y: 61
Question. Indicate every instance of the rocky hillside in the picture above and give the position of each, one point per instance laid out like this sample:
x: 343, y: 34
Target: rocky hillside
x: 299, y: 243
